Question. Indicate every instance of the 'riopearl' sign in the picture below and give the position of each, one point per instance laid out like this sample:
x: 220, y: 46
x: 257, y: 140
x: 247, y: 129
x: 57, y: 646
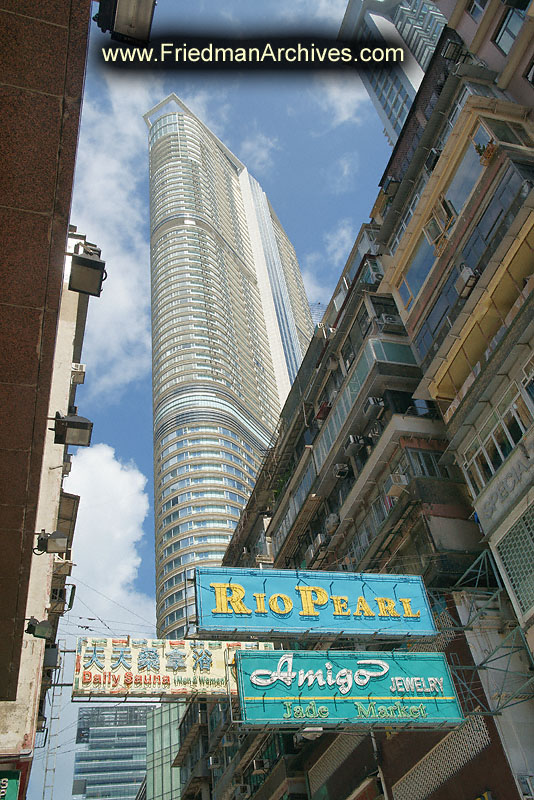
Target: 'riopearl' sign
x: 280, y: 602
x: 333, y: 687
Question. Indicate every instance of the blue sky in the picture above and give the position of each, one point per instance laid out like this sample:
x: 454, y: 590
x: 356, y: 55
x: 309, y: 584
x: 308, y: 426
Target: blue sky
x: 315, y: 144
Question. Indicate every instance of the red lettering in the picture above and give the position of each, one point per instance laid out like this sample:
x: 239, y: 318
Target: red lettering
x: 128, y: 678
x: 87, y: 677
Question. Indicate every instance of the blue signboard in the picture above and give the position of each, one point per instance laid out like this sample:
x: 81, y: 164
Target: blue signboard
x: 331, y: 687
x: 274, y: 603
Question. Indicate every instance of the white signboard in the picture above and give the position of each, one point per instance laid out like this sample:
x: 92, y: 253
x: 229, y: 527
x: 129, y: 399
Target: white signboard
x: 145, y: 667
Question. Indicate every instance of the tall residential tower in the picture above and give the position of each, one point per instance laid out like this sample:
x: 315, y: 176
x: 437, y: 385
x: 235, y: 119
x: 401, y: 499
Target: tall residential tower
x: 230, y: 323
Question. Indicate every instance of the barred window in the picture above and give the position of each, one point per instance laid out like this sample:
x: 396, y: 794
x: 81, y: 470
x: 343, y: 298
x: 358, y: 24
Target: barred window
x: 504, y: 428
x: 516, y: 550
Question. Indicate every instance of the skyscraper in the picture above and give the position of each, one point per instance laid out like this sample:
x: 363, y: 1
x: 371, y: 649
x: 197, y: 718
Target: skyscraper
x: 110, y: 760
x: 414, y: 24
x: 230, y: 323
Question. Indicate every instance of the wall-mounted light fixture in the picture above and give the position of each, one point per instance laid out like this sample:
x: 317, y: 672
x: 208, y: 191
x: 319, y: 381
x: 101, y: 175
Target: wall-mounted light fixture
x: 87, y: 272
x: 72, y: 429
x: 56, y: 542
x: 41, y: 630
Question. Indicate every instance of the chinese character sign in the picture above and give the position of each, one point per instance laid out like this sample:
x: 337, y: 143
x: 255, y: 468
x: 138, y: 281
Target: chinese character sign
x: 157, y: 667
x: 282, y: 688
x: 273, y: 602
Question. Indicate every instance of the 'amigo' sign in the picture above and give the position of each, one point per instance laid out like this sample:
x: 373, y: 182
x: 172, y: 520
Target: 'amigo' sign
x: 322, y: 687
x: 281, y: 602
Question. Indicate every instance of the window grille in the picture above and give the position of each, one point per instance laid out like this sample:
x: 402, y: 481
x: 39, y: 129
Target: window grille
x: 447, y: 758
x: 516, y: 550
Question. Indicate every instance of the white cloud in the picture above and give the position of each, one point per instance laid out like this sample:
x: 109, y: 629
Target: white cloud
x: 321, y: 269
x: 339, y: 242
x: 340, y: 175
x: 343, y: 98
x: 316, y: 290
x: 112, y: 508
x: 330, y: 11
x: 256, y: 152
x: 111, y: 207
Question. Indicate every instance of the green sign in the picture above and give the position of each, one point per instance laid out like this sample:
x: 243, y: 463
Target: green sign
x: 334, y: 687
x: 9, y: 785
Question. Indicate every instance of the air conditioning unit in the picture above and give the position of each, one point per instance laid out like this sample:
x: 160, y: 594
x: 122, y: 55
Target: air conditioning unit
x: 465, y: 281
x: 332, y: 363
x: 432, y: 159
x: 390, y: 186
x: 320, y: 540
x: 391, y: 323
x: 340, y: 471
x: 241, y: 791
x: 395, y: 483
x: 214, y: 762
x: 374, y: 276
x: 309, y: 555
x: 260, y: 766
x: 77, y: 373
x: 353, y: 444
x: 373, y: 407
x: 331, y: 523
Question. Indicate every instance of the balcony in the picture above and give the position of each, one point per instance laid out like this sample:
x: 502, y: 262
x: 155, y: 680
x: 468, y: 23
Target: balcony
x: 471, y: 325
x: 193, y: 780
x: 193, y: 724
x: 380, y: 356
x: 520, y: 313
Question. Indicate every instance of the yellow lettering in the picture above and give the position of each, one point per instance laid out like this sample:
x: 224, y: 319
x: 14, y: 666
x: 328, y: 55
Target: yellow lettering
x: 274, y: 603
x: 229, y: 594
x: 406, y: 604
x: 362, y: 607
x: 260, y: 603
x: 340, y: 606
x: 386, y: 607
x: 308, y: 600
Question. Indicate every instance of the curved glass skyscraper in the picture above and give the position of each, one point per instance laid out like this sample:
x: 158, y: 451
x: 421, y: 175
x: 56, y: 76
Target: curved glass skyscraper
x: 230, y: 324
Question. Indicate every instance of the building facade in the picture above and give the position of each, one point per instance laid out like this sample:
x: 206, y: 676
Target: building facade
x: 110, y: 758
x: 162, y: 779
x: 405, y: 446
x: 34, y: 216
x: 416, y: 25
x: 230, y: 323
x: 23, y: 721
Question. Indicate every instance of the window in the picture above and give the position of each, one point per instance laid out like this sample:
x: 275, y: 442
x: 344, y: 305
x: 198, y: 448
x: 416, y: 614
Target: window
x: 438, y: 315
x: 417, y: 272
x: 491, y: 447
x: 497, y: 212
x: 529, y: 74
x: 468, y: 171
x: 424, y: 463
x: 476, y: 8
x: 437, y: 229
x: 508, y: 30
